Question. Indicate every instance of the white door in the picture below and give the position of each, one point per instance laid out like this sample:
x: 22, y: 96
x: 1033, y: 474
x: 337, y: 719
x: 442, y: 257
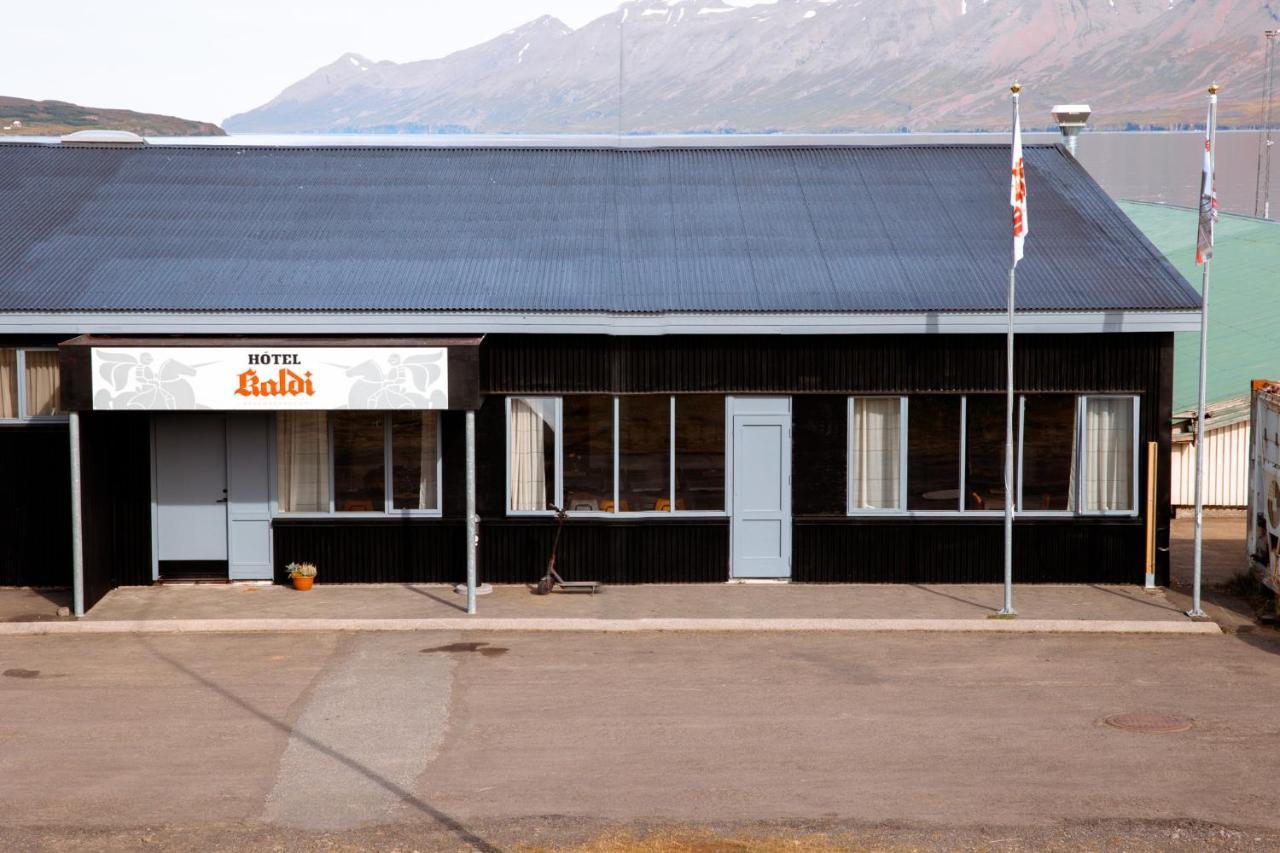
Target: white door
x: 761, y: 523
x: 191, y: 493
x: 248, y: 496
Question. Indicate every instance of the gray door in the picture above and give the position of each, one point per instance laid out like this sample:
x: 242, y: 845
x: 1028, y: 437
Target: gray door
x: 191, y: 488
x: 248, y: 507
x: 761, y: 526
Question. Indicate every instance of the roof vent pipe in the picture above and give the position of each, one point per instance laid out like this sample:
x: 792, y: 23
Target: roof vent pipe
x: 1071, y: 119
x: 103, y: 137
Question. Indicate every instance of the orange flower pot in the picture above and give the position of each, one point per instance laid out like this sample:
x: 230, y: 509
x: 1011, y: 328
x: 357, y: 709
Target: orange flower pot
x: 303, y: 584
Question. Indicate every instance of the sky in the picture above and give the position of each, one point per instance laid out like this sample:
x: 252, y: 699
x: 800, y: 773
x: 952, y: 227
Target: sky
x: 210, y: 60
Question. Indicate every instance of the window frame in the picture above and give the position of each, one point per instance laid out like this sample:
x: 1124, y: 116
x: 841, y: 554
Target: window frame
x: 558, y: 489
x: 388, y: 486
x: 903, y: 414
x: 1135, y: 466
x: 1020, y: 419
x: 20, y: 399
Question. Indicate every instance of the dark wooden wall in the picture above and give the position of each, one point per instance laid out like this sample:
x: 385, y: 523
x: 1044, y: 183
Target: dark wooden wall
x: 818, y: 372
x: 393, y: 550
x: 35, y: 505
x: 115, y: 453
x: 814, y: 364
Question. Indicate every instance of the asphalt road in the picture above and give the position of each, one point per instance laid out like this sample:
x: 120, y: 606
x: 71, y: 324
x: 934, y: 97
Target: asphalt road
x: 435, y: 741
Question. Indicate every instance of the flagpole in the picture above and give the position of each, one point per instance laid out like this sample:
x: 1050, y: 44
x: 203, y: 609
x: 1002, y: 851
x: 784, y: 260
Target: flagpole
x: 1007, y: 609
x: 1212, y: 131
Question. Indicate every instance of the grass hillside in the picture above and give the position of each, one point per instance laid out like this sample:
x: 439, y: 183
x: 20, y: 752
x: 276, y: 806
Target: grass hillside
x: 23, y: 117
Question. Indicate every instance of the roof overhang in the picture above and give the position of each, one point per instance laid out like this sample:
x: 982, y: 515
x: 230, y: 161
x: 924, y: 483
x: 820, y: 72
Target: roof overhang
x: 480, y: 323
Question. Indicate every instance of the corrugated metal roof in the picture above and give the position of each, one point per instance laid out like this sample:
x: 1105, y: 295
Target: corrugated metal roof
x: 1244, y: 304
x: 776, y: 229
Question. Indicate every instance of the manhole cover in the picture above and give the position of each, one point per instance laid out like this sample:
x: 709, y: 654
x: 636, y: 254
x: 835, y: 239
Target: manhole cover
x: 1152, y: 723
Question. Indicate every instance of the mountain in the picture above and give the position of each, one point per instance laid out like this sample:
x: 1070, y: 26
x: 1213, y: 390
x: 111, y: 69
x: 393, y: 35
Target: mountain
x: 22, y: 117
x: 806, y: 65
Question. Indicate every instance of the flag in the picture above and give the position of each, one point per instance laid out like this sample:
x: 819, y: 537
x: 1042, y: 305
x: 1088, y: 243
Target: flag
x: 1018, y: 188
x: 1208, y: 197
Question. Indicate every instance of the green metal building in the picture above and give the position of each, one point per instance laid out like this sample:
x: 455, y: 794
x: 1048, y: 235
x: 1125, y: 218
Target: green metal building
x: 1244, y: 341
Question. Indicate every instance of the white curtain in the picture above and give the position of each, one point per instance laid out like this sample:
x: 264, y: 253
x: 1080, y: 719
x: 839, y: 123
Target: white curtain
x: 302, y: 454
x: 874, y: 458
x: 1108, y: 449
x: 42, y: 383
x: 8, y: 383
x: 427, y: 461
x: 528, y: 452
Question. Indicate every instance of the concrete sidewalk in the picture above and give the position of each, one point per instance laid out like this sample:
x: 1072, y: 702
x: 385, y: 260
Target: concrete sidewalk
x: 698, y: 607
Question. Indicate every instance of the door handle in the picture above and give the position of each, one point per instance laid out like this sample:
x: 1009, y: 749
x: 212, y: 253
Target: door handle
x: 220, y: 501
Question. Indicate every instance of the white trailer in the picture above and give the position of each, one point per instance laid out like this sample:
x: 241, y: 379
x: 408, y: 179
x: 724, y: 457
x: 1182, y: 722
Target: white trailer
x: 1264, y: 483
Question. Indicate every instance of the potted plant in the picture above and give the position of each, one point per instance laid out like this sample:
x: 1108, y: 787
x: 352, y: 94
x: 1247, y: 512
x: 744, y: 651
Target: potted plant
x: 303, y: 575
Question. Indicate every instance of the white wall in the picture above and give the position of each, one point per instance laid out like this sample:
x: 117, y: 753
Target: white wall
x: 1226, y: 468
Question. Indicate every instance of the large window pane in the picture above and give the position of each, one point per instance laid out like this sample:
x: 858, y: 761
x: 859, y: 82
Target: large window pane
x: 875, y: 453
x: 359, y: 469
x: 700, y: 452
x: 533, y: 453
x: 933, y: 453
x: 984, y: 452
x: 1049, y: 452
x: 413, y: 460
x: 8, y: 383
x: 302, y: 461
x: 1108, y: 454
x: 588, y: 453
x: 42, y: 383
x: 644, y: 453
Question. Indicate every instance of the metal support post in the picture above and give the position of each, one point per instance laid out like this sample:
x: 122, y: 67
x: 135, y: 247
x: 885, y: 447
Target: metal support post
x: 473, y: 531
x: 77, y: 534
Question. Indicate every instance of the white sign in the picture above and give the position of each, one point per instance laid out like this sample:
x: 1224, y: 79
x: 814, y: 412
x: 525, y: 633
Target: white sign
x: 270, y: 378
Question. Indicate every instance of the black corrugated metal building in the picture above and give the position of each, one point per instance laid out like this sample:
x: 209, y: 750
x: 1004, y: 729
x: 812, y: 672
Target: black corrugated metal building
x: 726, y: 361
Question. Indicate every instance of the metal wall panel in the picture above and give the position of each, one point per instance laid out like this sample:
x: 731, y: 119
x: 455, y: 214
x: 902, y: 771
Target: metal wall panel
x: 1226, y: 468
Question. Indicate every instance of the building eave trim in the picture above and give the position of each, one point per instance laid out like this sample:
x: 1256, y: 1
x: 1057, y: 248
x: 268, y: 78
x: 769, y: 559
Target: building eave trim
x: 451, y: 322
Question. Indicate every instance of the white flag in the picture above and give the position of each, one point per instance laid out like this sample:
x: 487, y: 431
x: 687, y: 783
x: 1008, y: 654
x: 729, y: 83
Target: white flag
x: 1208, y: 196
x: 1018, y: 189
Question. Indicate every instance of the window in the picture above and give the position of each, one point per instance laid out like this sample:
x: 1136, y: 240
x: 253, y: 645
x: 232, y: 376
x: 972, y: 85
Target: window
x: 359, y: 471
x: 604, y: 454
x: 29, y: 382
x: 875, y: 453
x: 8, y: 384
x: 1110, y: 439
x: 414, y: 472
x: 644, y: 454
x: 346, y: 462
x: 588, y: 454
x: 984, y: 452
x: 532, y: 442
x: 302, y: 461
x: 1073, y: 454
x: 699, y: 453
x: 1048, y: 453
x: 933, y: 453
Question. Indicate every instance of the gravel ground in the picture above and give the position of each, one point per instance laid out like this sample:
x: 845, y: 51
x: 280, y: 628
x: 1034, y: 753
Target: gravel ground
x: 586, y: 836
